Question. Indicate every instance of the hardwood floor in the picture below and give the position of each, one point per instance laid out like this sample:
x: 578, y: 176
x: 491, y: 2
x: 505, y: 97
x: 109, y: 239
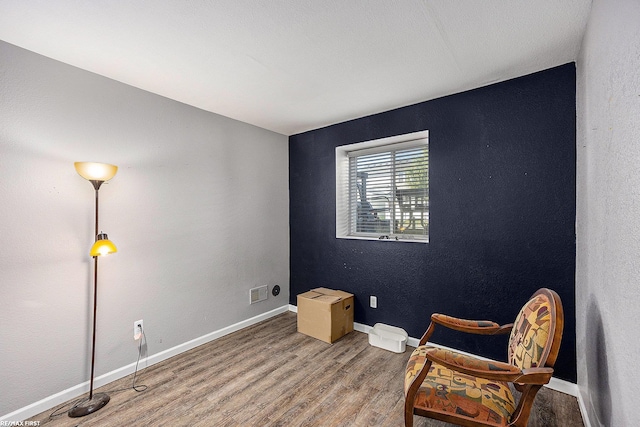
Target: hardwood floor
x: 270, y: 375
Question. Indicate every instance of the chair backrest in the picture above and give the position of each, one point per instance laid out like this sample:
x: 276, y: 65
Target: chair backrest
x: 537, y: 331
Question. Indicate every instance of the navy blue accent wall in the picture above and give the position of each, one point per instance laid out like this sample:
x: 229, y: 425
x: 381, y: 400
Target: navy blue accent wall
x: 502, y: 213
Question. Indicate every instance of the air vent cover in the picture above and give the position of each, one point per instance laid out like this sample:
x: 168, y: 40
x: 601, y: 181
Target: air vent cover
x: 259, y: 294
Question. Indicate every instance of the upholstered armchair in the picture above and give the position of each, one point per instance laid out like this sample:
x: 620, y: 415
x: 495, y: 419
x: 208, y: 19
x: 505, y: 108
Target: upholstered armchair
x: 469, y: 391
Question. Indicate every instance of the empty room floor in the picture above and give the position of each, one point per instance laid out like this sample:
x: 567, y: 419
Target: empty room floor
x: 271, y: 375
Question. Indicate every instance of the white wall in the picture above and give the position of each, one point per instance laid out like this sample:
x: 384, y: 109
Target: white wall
x: 198, y: 210
x: 608, y: 219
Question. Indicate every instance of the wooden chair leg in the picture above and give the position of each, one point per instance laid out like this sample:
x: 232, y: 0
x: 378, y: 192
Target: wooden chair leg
x: 412, y: 391
x: 409, y: 398
x: 408, y: 414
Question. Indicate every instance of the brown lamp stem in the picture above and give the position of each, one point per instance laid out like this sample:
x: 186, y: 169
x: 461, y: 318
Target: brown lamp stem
x: 95, y: 305
x: 96, y: 185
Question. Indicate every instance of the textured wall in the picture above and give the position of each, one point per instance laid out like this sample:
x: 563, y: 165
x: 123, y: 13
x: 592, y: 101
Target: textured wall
x: 608, y: 226
x: 198, y: 210
x: 502, y: 209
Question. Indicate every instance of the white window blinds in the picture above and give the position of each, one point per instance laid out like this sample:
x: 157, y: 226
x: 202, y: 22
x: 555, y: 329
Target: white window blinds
x: 388, y: 191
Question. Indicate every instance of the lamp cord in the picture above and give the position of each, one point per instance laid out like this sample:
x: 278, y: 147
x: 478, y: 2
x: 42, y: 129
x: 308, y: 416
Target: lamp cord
x: 139, y: 388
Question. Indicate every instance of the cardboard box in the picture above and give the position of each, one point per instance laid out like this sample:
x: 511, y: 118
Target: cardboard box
x: 325, y: 314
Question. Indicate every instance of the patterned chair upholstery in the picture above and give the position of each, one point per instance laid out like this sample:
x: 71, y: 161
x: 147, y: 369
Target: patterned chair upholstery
x: 464, y: 390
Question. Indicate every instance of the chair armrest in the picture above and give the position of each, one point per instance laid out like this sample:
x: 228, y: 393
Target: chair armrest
x: 482, y: 327
x: 488, y: 369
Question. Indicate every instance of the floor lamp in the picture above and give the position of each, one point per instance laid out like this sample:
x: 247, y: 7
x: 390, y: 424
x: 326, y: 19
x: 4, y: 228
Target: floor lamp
x: 96, y: 173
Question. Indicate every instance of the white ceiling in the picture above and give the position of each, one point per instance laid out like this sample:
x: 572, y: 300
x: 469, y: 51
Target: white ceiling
x: 296, y: 65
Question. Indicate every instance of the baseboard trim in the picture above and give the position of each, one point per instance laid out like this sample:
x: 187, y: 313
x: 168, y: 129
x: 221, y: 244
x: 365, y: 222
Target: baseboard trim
x: 583, y: 411
x: 78, y: 390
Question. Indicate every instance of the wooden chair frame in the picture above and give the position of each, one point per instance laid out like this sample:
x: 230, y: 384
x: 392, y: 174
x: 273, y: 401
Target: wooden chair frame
x: 527, y: 381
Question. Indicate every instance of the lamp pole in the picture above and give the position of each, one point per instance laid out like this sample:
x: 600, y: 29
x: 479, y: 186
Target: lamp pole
x: 96, y: 185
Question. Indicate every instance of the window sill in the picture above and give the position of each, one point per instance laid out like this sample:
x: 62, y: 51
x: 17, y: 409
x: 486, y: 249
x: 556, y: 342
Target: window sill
x: 378, y: 239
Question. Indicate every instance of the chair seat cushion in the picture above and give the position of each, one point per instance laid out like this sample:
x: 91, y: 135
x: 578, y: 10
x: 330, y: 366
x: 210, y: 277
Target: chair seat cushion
x: 449, y: 392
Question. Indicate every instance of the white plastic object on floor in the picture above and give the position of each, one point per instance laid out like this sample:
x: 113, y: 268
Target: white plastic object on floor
x: 388, y: 337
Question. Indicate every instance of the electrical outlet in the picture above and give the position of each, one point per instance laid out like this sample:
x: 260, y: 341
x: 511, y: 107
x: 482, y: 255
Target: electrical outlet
x: 138, y: 329
x: 373, y: 301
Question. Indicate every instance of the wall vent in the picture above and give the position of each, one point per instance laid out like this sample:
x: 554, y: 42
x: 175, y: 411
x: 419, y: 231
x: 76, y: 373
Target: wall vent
x: 259, y: 294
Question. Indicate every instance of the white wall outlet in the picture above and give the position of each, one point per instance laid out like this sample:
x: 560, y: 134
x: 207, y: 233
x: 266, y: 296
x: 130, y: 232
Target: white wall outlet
x: 373, y: 301
x: 138, y: 328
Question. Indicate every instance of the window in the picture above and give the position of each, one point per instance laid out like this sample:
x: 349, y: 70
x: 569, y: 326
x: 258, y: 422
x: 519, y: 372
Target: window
x: 382, y: 189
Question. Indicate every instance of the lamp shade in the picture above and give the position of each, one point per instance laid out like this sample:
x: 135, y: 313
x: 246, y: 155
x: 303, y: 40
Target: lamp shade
x: 96, y: 171
x: 102, y: 246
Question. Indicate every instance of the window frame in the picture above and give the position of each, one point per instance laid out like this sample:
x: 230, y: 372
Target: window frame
x: 343, y: 154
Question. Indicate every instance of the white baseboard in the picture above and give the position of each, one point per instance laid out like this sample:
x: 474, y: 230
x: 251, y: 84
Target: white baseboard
x: 78, y: 390
x: 563, y: 386
x: 585, y: 414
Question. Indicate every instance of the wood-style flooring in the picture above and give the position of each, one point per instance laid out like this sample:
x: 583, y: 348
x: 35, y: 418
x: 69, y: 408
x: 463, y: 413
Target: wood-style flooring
x: 271, y: 375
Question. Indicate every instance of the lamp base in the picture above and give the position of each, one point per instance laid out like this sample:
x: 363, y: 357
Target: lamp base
x: 90, y: 406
